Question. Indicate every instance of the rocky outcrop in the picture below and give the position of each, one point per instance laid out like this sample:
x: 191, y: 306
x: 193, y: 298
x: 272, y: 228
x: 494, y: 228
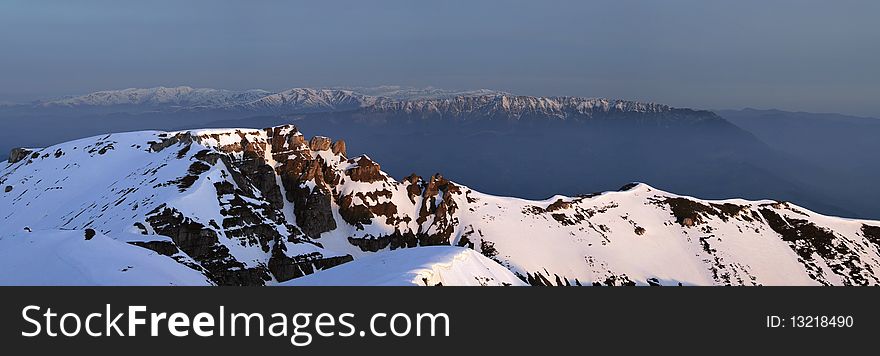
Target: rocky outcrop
x: 313, y: 210
x: 202, y: 244
x: 365, y: 170
x: 284, y: 267
x: 338, y: 148
x: 19, y: 154
x: 437, y: 220
x: 319, y: 143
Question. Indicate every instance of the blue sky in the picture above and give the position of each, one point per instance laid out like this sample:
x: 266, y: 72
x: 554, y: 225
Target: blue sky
x: 795, y: 55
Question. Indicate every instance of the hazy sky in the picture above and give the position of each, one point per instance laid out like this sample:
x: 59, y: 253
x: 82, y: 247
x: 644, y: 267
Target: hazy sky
x: 797, y: 55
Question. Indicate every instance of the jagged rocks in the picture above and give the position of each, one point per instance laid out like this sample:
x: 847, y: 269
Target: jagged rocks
x: 313, y: 211
x: 414, y: 186
x: 369, y: 205
x: 319, y: 143
x: 338, y: 148
x: 356, y: 215
x: 437, y: 213
x: 284, y: 138
x: 202, y: 245
x: 18, y: 154
x: 365, y: 170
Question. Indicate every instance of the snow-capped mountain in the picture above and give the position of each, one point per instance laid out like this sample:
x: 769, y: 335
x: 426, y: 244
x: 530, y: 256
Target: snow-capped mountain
x: 507, y: 107
x: 370, y: 103
x: 184, y: 98
x: 305, y: 100
x: 158, y: 97
x: 263, y: 206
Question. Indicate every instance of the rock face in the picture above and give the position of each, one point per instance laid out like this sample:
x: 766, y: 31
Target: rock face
x: 255, y: 207
x: 365, y: 170
x: 319, y: 143
x: 338, y: 148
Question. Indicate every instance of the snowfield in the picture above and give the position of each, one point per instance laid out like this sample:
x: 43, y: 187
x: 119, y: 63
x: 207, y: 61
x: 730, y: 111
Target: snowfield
x: 65, y: 257
x: 424, y: 266
x: 269, y: 206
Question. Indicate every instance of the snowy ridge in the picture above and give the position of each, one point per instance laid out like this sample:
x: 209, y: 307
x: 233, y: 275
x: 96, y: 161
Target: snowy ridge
x: 262, y: 206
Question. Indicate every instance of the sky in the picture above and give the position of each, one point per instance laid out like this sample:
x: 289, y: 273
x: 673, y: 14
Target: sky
x: 819, y: 56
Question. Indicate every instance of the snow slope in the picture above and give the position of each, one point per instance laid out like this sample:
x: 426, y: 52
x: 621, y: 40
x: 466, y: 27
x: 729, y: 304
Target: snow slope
x: 183, y: 202
x: 424, y: 266
x: 263, y: 206
x: 65, y: 257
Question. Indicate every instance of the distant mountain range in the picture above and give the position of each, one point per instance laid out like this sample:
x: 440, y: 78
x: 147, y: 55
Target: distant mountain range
x: 295, y: 100
x: 505, y: 144
x: 274, y: 207
x: 476, y: 104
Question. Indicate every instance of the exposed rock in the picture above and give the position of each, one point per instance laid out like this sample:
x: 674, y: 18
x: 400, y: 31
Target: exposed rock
x: 7, y: 189
x: 559, y: 204
x: 184, y: 137
x: 202, y: 244
x: 338, y: 148
x: 366, y: 170
x: 395, y: 240
x: 161, y: 247
x: 19, y: 154
x: 313, y: 211
x: 627, y: 187
x: 90, y: 233
x: 414, y: 188
x: 872, y: 233
x: 368, y: 206
x: 688, y: 221
x: 319, y: 143
x: 809, y: 240
x: 439, y: 205
x: 285, y: 268
x: 689, y: 212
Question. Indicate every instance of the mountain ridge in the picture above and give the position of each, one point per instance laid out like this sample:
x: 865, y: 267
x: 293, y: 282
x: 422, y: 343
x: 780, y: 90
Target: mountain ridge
x: 305, y: 100
x: 263, y: 206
